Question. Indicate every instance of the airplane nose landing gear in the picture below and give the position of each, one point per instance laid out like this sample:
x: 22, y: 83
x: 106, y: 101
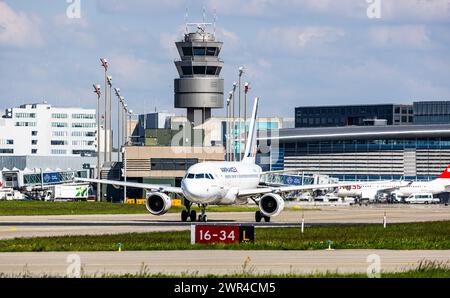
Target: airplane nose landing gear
x: 202, y: 217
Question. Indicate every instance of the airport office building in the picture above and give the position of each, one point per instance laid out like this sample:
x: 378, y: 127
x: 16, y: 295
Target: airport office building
x: 365, y: 142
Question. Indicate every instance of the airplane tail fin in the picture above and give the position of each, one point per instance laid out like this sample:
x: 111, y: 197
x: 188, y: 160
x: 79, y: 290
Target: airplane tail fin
x: 446, y: 173
x: 250, y: 147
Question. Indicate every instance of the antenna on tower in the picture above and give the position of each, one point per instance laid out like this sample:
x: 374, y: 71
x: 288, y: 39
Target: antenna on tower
x: 186, y: 20
x: 214, y: 23
x: 204, y: 14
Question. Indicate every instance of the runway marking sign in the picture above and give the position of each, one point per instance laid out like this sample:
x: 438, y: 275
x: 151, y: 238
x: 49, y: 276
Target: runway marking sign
x: 226, y: 234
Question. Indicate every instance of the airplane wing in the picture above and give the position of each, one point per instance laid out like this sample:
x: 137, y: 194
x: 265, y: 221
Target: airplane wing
x: 151, y: 187
x: 282, y: 189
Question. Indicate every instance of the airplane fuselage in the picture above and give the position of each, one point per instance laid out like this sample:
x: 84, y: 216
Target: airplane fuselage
x: 219, y: 182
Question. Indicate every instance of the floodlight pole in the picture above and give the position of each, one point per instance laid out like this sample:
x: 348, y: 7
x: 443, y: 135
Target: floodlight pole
x: 98, y: 92
x: 241, y: 70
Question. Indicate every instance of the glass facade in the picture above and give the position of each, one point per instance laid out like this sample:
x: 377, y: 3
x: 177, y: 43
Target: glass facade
x: 432, y: 112
x: 355, y: 146
x: 329, y: 116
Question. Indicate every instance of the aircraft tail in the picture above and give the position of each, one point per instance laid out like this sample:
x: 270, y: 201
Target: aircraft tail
x: 446, y: 173
x: 250, y: 147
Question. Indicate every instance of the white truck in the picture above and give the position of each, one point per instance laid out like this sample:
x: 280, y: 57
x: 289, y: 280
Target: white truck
x: 68, y: 192
x: 10, y: 194
x: 422, y: 198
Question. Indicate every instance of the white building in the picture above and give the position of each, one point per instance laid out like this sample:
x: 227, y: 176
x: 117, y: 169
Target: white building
x: 42, y: 130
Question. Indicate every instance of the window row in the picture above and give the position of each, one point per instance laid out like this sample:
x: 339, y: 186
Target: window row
x: 201, y: 51
x: 25, y: 123
x: 6, y: 142
x: 25, y: 115
x: 201, y: 70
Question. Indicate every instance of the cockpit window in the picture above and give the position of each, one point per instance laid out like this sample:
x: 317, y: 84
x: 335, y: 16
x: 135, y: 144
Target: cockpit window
x: 199, y: 176
x: 210, y: 176
x: 190, y: 176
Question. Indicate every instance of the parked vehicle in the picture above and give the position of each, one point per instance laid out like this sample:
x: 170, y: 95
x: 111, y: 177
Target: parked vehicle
x: 10, y: 194
x: 305, y: 197
x: 329, y: 197
x: 68, y: 192
x: 422, y: 198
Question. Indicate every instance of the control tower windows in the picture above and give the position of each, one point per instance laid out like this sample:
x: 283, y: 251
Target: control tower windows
x: 199, y: 51
x: 210, y: 51
x: 187, y: 70
x: 200, y: 70
x: 211, y: 70
x: 187, y: 51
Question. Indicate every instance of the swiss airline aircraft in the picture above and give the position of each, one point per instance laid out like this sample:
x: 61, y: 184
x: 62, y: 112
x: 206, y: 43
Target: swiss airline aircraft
x: 398, y: 188
x: 221, y: 183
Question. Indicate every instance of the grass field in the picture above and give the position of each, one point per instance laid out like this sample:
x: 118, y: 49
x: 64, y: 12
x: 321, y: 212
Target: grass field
x: 427, y: 235
x: 12, y: 208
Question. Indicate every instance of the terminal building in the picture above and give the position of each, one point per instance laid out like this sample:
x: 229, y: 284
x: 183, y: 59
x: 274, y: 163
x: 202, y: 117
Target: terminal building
x: 40, y: 129
x: 416, y: 149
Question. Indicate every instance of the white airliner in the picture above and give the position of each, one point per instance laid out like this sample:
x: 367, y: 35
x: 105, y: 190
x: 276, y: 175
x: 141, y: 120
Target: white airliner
x: 399, y: 189
x: 221, y: 183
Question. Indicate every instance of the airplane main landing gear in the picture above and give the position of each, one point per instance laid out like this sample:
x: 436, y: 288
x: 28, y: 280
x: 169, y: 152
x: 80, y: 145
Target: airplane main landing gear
x: 259, y: 216
x: 188, y: 213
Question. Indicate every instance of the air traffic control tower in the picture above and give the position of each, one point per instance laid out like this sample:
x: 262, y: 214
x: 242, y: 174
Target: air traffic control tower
x: 199, y: 88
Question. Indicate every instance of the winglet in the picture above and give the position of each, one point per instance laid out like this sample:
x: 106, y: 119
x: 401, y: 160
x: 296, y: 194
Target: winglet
x: 250, y: 147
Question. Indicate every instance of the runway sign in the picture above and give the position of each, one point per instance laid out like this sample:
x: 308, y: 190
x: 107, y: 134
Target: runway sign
x: 208, y: 234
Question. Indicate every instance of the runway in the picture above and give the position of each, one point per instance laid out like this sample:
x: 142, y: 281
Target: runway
x: 59, y: 225
x: 203, y: 262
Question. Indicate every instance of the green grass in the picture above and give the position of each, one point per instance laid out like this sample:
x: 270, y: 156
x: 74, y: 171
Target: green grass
x: 14, y: 208
x: 8, y: 208
x: 427, y: 235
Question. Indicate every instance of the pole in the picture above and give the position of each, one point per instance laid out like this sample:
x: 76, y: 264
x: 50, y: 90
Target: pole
x: 240, y: 121
x: 303, y: 223
x: 245, y: 114
x: 125, y: 173
x: 105, y: 122
x: 123, y: 125
x: 233, y: 157
x: 384, y: 220
x: 229, y: 130
x: 110, y: 124
x: 118, y: 129
x: 98, y: 148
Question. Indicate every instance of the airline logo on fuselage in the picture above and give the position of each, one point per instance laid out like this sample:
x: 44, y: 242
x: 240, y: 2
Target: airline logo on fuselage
x: 229, y: 170
x: 350, y: 187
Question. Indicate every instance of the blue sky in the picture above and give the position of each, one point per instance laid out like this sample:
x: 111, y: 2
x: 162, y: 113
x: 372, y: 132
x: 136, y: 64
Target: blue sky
x: 295, y: 52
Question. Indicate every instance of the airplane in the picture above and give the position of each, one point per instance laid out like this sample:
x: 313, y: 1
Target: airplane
x: 369, y: 191
x: 436, y: 186
x: 221, y: 183
x: 399, y: 188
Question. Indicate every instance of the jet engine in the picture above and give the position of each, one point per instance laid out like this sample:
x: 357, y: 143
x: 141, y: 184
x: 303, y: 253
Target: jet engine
x: 271, y: 204
x: 158, y: 203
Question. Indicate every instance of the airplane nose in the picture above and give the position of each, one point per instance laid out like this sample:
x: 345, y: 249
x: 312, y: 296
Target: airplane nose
x: 199, y: 191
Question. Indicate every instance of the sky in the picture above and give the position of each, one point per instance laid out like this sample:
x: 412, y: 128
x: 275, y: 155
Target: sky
x: 294, y: 52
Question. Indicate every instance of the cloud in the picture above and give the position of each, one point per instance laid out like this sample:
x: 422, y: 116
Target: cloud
x: 294, y: 39
x: 19, y: 29
x: 132, y: 70
x: 404, y: 36
x: 138, y: 6
x: 432, y: 10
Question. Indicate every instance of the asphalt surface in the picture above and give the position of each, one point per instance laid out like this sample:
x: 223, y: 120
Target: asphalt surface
x: 59, y: 225
x: 203, y: 262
